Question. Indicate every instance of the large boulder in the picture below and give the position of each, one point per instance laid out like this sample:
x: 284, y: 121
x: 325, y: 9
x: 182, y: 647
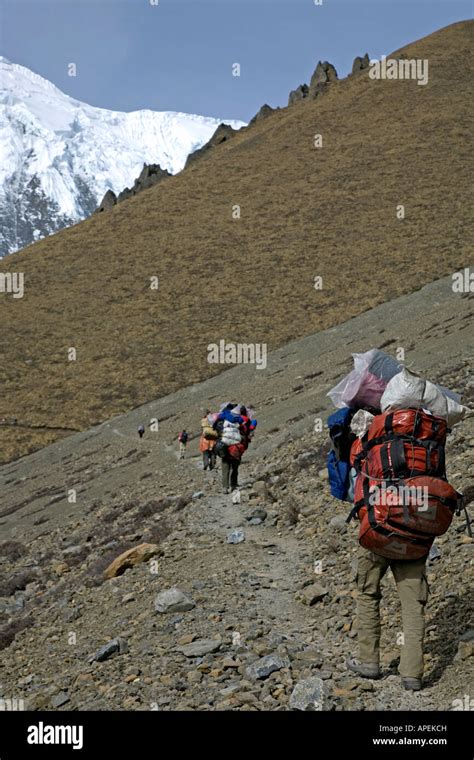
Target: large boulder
x: 130, y: 558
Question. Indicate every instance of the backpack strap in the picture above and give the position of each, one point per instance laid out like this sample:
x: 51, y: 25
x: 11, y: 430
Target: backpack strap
x: 389, y: 424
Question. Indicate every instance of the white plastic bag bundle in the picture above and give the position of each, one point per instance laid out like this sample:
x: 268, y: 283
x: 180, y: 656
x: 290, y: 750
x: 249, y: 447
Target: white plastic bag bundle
x: 367, y: 381
x: 407, y: 390
x: 361, y: 422
x: 230, y: 433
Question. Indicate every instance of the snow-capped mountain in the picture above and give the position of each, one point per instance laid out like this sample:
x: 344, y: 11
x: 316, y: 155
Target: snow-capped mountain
x: 59, y: 156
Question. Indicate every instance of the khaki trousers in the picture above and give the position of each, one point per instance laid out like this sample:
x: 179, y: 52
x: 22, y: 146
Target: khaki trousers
x: 413, y: 590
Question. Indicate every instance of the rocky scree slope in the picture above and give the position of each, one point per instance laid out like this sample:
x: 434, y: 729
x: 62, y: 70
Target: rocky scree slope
x: 258, y: 628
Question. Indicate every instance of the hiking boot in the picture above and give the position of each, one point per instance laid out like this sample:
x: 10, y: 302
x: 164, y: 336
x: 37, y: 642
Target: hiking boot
x: 411, y: 684
x: 364, y: 669
x: 226, y: 491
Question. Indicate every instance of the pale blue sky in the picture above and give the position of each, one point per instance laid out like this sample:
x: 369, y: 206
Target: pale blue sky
x: 178, y: 55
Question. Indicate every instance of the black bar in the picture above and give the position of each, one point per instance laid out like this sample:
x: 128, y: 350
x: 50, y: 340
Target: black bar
x: 217, y: 734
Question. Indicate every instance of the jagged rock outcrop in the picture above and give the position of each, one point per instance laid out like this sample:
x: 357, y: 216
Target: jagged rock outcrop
x: 300, y: 93
x: 108, y: 201
x: 324, y: 74
x: 263, y: 113
x: 223, y: 133
x: 150, y: 175
x: 360, y: 63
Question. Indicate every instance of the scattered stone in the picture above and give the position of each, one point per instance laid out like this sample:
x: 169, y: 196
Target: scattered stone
x: 338, y: 522
x: 228, y: 662
x: 83, y: 678
x: 200, y: 647
x: 60, y: 699
x: 173, y: 600
x: 229, y: 690
x: 194, y: 676
x: 130, y: 558
x: 72, y: 551
x: 263, y: 667
x: 61, y: 567
x: 235, y: 536
x: 246, y: 697
x: 25, y: 681
x: 262, y: 648
x: 311, y: 594
x: 257, y: 516
x: 70, y: 614
x: 309, y: 695
x: 309, y: 657
x: 186, y: 639
x: 112, y: 648
x: 325, y: 675
x: 259, y: 488
x: 465, y: 650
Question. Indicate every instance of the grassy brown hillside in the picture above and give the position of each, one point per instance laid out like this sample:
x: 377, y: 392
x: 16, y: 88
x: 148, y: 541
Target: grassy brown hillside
x: 304, y: 212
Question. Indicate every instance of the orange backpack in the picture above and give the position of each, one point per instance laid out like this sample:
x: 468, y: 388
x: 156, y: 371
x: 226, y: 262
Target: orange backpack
x: 401, y: 495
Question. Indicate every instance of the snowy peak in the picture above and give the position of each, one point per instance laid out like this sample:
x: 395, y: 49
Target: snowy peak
x: 58, y: 156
